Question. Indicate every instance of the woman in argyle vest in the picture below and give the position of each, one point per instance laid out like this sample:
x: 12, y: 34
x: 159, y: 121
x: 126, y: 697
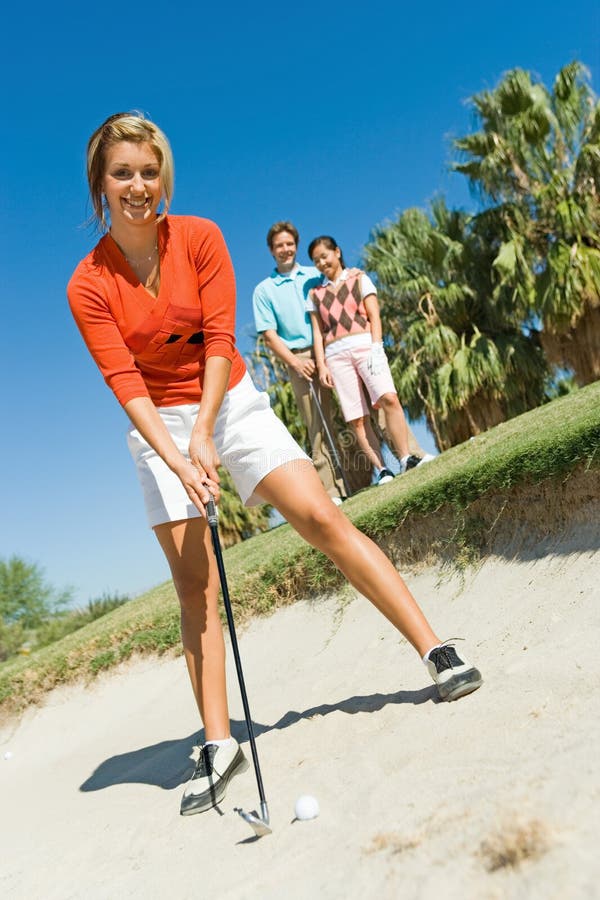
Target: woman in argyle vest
x: 349, y: 353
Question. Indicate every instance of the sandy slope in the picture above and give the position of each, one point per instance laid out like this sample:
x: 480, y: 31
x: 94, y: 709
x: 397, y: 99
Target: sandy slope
x: 409, y: 788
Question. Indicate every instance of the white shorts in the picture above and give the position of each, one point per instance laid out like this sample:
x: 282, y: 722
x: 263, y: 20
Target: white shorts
x: 349, y: 370
x: 250, y: 440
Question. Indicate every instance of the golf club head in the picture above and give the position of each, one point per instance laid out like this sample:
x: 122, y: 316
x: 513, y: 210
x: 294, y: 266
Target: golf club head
x: 258, y: 825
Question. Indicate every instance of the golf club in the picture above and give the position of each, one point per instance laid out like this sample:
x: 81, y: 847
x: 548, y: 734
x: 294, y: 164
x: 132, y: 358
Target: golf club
x: 330, y: 440
x: 259, y: 823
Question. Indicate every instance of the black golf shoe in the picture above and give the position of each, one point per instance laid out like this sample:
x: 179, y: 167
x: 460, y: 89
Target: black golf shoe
x: 215, y: 768
x: 454, y: 675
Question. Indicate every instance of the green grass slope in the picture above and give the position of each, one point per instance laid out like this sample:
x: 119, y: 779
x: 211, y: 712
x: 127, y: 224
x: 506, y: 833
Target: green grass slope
x: 277, y: 567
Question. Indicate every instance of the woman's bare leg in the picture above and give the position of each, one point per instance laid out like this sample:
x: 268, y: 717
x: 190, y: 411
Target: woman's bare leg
x: 188, y: 548
x: 395, y: 423
x: 366, y: 440
x: 295, y: 490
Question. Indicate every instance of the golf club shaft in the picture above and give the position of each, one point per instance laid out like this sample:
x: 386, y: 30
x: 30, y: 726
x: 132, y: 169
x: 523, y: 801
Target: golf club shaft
x: 211, y: 514
x: 330, y: 440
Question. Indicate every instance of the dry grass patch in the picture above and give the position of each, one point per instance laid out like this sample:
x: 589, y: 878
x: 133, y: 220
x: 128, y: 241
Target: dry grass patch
x: 392, y: 842
x: 515, y: 843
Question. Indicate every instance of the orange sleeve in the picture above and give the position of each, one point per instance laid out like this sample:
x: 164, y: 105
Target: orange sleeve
x: 103, y: 339
x: 216, y: 286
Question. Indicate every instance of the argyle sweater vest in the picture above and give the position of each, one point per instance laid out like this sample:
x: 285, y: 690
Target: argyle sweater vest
x: 341, y: 308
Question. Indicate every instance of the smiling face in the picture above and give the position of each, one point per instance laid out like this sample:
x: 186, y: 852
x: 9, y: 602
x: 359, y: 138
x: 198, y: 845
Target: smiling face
x: 132, y: 184
x: 328, y: 260
x: 284, y: 249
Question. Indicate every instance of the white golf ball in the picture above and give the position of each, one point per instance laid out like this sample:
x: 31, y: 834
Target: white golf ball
x: 306, y: 807
x: 7, y: 754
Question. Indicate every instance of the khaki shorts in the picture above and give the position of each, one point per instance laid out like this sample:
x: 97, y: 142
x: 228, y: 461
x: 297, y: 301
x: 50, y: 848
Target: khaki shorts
x: 250, y: 440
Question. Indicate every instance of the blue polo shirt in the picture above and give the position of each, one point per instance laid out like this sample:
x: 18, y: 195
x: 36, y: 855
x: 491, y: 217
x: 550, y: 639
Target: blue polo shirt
x: 279, y: 304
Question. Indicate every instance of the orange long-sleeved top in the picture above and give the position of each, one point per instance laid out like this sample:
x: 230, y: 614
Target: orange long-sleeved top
x: 157, y: 347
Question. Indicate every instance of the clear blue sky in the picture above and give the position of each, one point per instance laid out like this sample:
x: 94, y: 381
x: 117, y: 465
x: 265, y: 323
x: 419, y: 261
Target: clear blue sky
x: 336, y: 116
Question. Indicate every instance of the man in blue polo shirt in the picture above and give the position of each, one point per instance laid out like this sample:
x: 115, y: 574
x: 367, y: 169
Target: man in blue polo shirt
x: 280, y: 315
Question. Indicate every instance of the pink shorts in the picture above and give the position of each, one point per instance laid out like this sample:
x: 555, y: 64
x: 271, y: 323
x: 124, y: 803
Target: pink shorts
x: 349, y: 372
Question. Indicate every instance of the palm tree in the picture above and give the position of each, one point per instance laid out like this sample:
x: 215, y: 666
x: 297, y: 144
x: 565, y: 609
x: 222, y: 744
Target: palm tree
x: 270, y: 374
x: 536, y: 163
x: 459, y: 353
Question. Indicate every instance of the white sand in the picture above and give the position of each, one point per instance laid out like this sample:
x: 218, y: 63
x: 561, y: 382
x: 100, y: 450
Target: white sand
x: 409, y: 788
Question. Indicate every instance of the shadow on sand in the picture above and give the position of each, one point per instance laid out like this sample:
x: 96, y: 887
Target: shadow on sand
x: 169, y: 764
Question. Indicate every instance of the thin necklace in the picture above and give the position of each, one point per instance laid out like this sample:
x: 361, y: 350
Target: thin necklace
x: 143, y: 259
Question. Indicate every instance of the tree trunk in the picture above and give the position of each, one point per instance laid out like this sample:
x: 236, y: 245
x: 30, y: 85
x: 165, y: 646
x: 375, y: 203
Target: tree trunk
x: 579, y: 347
x: 480, y: 414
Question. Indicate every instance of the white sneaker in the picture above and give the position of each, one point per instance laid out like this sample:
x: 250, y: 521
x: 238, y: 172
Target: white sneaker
x: 410, y: 462
x: 215, y: 768
x: 454, y: 675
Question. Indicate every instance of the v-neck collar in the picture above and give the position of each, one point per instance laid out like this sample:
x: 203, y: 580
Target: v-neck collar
x: 119, y: 260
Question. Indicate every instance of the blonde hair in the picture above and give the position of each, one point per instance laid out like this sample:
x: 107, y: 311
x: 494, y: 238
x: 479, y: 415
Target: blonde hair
x: 136, y: 129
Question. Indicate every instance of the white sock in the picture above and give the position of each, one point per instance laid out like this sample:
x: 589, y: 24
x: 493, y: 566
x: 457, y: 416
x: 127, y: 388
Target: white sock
x: 222, y: 742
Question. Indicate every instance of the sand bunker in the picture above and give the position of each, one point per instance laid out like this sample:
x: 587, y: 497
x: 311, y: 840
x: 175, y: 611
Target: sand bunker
x: 495, y: 795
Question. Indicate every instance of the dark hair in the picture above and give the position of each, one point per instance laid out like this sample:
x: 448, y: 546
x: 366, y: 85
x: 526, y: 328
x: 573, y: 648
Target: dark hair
x: 278, y: 228
x: 330, y: 243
